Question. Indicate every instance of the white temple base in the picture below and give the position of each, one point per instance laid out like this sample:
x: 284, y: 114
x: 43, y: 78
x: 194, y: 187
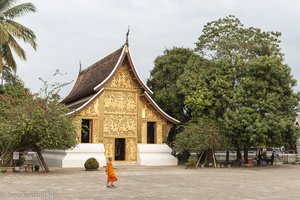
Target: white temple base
x: 155, y: 155
x: 75, y: 157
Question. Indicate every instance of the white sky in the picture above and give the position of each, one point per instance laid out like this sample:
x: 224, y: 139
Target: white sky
x: 71, y: 30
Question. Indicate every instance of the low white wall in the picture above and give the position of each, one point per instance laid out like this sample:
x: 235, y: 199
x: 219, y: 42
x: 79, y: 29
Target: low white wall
x: 155, y: 155
x: 75, y: 157
x: 279, y: 157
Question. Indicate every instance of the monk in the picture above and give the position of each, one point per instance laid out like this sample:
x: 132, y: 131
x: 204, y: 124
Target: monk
x: 111, y: 176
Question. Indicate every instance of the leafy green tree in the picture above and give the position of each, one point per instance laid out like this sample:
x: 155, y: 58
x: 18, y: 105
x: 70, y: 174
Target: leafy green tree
x: 10, y: 30
x: 197, y: 136
x: 207, y: 87
x: 163, y: 81
x: 228, y: 42
x: 200, y: 136
x: 228, y: 39
x: 263, y: 106
x: 29, y: 122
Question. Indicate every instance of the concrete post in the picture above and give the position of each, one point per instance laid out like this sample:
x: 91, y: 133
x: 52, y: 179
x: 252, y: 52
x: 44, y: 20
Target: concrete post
x: 298, y: 151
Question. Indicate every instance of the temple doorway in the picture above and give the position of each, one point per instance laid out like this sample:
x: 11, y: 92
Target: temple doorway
x: 119, y: 148
x: 150, y: 132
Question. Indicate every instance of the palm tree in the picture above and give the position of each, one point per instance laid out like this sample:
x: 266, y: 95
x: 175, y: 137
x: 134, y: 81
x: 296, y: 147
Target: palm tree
x: 11, y: 30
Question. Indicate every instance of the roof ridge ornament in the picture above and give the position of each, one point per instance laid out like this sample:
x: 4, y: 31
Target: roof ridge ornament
x: 80, y: 69
x: 127, y: 35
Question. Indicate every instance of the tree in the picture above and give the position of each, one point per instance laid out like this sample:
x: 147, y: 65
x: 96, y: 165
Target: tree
x: 207, y: 87
x: 228, y: 39
x: 200, y: 136
x: 30, y: 122
x: 163, y: 81
x: 263, y: 106
x: 11, y: 30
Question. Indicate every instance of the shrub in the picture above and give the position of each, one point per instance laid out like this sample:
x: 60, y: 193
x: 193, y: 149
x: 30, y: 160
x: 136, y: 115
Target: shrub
x: 91, y: 164
x: 192, y: 161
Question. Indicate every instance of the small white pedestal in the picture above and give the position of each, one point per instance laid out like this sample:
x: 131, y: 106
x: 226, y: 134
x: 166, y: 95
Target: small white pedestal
x: 155, y: 155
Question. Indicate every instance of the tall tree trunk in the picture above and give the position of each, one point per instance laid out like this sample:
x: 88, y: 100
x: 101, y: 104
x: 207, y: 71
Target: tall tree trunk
x: 42, y: 159
x: 259, y: 157
x: 227, y: 157
x: 238, y: 152
x: 214, y: 158
x: 206, y: 155
x: 199, y: 159
x: 246, y: 154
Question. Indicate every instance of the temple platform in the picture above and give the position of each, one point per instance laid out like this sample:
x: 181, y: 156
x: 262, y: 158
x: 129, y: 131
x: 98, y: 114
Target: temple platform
x: 75, y: 157
x: 147, y: 155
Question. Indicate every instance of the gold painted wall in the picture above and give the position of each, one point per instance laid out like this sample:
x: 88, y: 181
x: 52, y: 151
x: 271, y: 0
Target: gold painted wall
x: 119, y: 112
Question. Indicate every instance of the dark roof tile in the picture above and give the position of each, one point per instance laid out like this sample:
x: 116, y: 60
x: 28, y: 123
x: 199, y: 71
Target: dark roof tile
x: 92, y: 76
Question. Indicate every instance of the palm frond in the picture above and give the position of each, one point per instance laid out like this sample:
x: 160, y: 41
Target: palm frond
x: 17, y: 48
x: 21, y: 32
x: 19, y: 10
x: 3, y: 34
x: 8, y: 57
x: 6, y: 4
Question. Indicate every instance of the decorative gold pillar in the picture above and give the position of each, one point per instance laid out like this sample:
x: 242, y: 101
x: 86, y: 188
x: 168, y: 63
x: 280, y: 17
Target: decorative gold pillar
x: 77, y: 124
x: 144, y: 132
x: 95, y: 132
x: 101, y: 119
x: 158, y: 133
x: 164, y: 133
x: 131, y: 149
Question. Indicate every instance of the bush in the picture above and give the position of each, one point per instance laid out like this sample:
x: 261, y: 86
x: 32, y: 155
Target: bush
x: 192, y: 162
x: 91, y: 164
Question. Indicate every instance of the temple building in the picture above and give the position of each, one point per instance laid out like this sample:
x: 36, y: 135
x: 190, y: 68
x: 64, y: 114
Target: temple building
x: 115, y: 116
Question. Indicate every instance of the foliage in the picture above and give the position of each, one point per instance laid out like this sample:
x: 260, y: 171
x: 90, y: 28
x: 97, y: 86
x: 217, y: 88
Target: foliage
x: 192, y: 162
x: 263, y: 106
x: 29, y: 122
x: 228, y: 39
x: 236, y: 78
x: 11, y: 96
x: 163, y: 81
x: 91, y: 164
x: 198, y: 136
x: 11, y: 30
x: 250, y: 89
x: 207, y: 87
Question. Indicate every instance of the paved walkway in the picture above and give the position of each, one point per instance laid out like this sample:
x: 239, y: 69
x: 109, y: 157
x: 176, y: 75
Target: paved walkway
x: 136, y: 182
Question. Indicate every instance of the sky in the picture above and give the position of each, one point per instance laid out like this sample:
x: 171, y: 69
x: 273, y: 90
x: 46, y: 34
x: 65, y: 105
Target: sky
x: 73, y: 31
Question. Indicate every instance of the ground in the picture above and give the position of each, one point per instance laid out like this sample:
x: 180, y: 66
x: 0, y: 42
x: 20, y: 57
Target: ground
x: 137, y: 182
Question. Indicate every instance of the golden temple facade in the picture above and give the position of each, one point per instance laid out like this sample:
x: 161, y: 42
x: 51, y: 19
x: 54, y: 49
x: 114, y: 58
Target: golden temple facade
x: 111, y: 105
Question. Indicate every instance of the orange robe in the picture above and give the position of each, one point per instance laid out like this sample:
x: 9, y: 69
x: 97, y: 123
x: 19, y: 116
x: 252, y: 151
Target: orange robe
x: 111, y: 176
